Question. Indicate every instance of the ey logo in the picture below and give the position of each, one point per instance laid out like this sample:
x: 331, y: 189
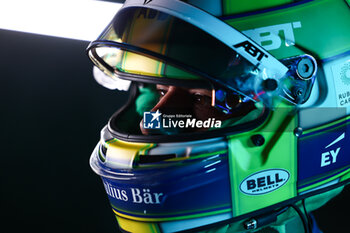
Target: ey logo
x: 330, y: 157
x: 271, y: 37
x: 152, y: 120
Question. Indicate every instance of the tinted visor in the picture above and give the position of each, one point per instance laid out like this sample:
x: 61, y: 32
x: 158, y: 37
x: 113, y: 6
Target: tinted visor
x: 151, y: 46
x: 157, y: 113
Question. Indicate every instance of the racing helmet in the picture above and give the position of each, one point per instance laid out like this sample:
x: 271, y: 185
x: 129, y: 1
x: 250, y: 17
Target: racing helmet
x: 237, y: 116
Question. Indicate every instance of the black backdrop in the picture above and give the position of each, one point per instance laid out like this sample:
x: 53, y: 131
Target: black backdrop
x: 51, y: 115
x: 52, y: 111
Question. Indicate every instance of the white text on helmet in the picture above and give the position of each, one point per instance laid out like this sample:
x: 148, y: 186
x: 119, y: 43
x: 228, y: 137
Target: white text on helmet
x: 270, y: 37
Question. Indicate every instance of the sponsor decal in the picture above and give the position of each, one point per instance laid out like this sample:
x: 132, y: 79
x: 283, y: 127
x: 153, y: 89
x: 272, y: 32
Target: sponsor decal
x: 270, y: 37
x: 345, y: 73
x: 147, y: 1
x: 157, y: 120
x: 341, y: 74
x: 265, y: 181
x: 330, y: 157
x: 251, y: 50
x: 134, y: 195
x: 151, y: 14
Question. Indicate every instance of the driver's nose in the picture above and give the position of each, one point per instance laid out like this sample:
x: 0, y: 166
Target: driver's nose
x: 176, y: 100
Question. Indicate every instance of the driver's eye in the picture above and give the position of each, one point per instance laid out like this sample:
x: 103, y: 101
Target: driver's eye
x: 202, y: 100
x: 161, y: 92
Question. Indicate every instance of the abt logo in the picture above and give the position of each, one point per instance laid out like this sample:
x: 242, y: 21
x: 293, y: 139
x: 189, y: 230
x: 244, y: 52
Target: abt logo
x: 152, y: 120
x: 271, y: 37
x: 251, y: 49
x: 330, y: 157
x: 264, y: 181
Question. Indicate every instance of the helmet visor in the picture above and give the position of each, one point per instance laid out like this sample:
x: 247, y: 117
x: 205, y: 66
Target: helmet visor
x: 149, y: 45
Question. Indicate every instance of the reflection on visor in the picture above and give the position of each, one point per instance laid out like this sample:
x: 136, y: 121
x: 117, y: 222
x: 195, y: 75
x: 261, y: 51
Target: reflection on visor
x: 173, y: 110
x: 120, y: 62
x: 150, y: 32
x: 147, y: 45
x: 107, y: 82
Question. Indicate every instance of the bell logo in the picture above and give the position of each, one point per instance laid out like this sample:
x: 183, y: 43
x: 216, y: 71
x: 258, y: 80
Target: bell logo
x: 264, y: 181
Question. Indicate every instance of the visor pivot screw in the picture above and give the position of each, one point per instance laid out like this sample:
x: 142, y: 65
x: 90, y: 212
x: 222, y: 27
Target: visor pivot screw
x: 258, y: 140
x: 270, y: 84
x: 250, y: 224
x: 305, y: 68
x: 298, y: 92
x: 298, y: 131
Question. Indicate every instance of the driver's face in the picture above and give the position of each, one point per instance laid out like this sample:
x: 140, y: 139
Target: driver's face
x: 194, y: 102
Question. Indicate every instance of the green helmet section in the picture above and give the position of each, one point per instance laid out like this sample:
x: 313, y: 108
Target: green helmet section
x: 246, y: 159
x: 229, y: 7
x: 235, y: 7
x: 319, y: 28
x: 288, y: 28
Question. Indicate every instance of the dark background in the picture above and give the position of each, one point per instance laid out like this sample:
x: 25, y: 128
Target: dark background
x: 52, y: 111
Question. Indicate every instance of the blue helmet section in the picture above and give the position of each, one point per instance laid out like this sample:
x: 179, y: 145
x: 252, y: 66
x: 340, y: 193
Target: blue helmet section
x: 324, y: 154
x: 154, y: 191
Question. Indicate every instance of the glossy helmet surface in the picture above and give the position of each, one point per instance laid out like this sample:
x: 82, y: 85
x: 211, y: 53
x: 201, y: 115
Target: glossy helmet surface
x: 287, y: 61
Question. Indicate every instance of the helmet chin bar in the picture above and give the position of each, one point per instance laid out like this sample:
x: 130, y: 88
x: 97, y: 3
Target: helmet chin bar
x: 269, y: 213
